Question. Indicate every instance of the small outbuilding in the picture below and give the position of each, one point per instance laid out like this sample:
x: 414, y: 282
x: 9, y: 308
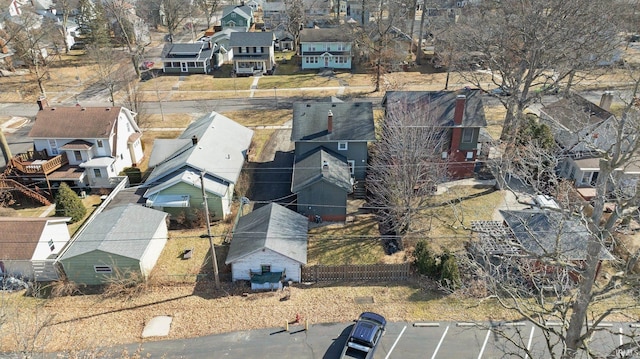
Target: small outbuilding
x: 123, y: 241
x: 269, y: 246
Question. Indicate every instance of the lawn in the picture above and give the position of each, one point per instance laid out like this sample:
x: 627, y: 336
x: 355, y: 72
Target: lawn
x: 302, y: 79
x: 210, y: 83
x: 147, y: 145
x: 259, y: 117
x: 90, y: 202
x: 169, y: 120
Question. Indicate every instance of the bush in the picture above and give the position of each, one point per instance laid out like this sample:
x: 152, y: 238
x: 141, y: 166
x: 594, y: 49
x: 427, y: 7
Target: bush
x: 68, y: 204
x: 425, y: 261
x: 450, y: 274
x: 134, y: 174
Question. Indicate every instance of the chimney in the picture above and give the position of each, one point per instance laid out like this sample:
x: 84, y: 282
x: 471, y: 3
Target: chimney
x: 194, y: 140
x: 606, y: 100
x: 42, y: 103
x: 330, y: 121
x: 459, y: 110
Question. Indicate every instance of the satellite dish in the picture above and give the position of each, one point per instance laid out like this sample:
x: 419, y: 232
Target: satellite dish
x: 244, y: 200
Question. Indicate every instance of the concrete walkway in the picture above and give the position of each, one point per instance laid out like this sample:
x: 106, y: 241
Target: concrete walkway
x: 254, y: 85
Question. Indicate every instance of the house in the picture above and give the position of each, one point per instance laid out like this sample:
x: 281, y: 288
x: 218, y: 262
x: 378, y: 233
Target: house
x: 253, y: 4
x: 331, y: 151
x: 214, y: 146
x: 582, y: 130
x: 325, y: 48
x: 274, y: 13
x: 542, y: 240
x: 223, y: 52
x: 30, y: 246
x: 317, y: 8
x: 192, y: 58
x: 83, y: 146
x: 116, y: 243
x: 284, y: 40
x: 253, y: 53
x: 269, y: 245
x: 355, y: 12
x: 458, y: 114
x: 238, y: 17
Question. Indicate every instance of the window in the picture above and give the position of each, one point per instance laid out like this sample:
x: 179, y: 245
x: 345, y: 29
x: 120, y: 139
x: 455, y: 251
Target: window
x: 128, y: 127
x: 352, y: 166
x: 590, y: 178
x: 343, y: 146
x: 469, y: 156
x: 100, y: 144
x: 102, y: 269
x: 341, y: 47
x: 97, y: 173
x: 444, y: 155
x: 312, y: 47
x: 258, y: 50
x: 112, y: 168
x: 265, y: 268
x: 77, y: 155
x: 467, y: 135
x: 53, y: 146
x: 51, y: 246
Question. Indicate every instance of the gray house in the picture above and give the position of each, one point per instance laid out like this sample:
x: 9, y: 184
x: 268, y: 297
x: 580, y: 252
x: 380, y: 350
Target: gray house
x: 269, y: 245
x: 187, y: 58
x: 214, y: 145
x: 253, y: 53
x: 122, y: 241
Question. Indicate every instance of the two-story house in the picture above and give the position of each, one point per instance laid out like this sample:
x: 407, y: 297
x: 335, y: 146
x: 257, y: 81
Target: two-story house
x: 192, y: 58
x: 83, y: 146
x: 274, y: 13
x: 253, y: 53
x: 317, y: 8
x: 325, y: 48
x: 238, y: 17
x: 331, y: 154
x: 458, y: 114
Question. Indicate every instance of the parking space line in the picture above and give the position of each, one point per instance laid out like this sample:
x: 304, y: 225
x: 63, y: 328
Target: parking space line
x: 533, y: 328
x: 396, y: 342
x: 484, y: 345
x: 440, y: 342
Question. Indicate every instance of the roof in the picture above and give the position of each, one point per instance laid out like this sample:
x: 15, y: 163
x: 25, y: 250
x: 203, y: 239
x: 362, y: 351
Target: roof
x: 276, y: 6
x: 75, y: 122
x: 576, y: 112
x: 352, y: 121
x: 197, y: 51
x: 272, y: 227
x: 224, y: 34
x: 321, y: 165
x: 242, y: 10
x: 77, y: 145
x: 335, y: 34
x: 119, y: 231
x: 441, y: 105
x: 20, y: 236
x: 211, y: 184
x: 252, y: 38
x: 220, y: 151
x: 130, y: 195
x: 550, y: 234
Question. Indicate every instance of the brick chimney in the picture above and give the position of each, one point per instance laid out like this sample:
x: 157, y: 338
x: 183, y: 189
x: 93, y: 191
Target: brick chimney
x: 330, y: 122
x: 459, y: 110
x: 606, y: 100
x: 194, y: 140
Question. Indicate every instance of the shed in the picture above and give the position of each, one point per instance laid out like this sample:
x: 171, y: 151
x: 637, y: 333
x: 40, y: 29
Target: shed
x: 269, y: 245
x: 122, y: 241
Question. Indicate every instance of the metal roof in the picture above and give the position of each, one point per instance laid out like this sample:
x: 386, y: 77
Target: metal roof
x: 352, y: 121
x: 271, y: 227
x: 118, y: 231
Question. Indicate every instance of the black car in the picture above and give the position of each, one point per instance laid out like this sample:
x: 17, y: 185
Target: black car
x: 364, y: 336
x: 78, y: 45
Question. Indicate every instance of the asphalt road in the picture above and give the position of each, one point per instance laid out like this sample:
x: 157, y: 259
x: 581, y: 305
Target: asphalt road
x: 401, y: 340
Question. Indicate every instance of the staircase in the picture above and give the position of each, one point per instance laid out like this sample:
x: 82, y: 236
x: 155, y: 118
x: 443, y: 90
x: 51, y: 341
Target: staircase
x: 44, y: 270
x: 360, y: 190
x: 12, y: 185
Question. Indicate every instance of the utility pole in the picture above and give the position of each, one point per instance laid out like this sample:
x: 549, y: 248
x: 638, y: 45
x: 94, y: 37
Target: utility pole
x: 206, y: 216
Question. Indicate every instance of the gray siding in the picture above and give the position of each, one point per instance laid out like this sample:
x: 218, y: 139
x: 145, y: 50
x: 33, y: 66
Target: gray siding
x: 356, y: 151
x: 80, y: 269
x: 323, y: 199
x: 195, y: 195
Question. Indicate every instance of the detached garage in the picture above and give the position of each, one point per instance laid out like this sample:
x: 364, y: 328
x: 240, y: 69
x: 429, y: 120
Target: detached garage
x: 268, y: 246
x: 122, y: 241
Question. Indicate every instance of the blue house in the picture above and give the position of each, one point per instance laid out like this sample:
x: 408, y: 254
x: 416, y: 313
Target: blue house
x: 325, y: 48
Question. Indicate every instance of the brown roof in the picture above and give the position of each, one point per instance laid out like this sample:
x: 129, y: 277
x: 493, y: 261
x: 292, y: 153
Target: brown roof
x: 134, y: 137
x: 576, y: 112
x: 77, y: 145
x: 75, y: 122
x: 20, y: 237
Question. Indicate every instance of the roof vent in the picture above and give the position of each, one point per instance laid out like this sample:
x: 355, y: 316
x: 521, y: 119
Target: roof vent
x: 228, y: 156
x: 53, y: 109
x: 325, y: 165
x: 108, y: 109
x: 83, y: 109
x: 308, y: 105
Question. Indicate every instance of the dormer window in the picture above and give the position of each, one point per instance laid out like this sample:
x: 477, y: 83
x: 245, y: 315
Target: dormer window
x: 343, y: 146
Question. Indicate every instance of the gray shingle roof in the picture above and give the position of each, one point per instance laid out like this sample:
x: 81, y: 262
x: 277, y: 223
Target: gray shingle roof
x: 547, y: 233
x: 240, y: 38
x: 335, y: 34
x: 220, y: 151
x: 242, y: 10
x: 271, y: 227
x: 198, y: 51
x: 119, y: 231
x: 441, y: 105
x: 352, y: 121
x: 576, y: 112
x: 321, y: 165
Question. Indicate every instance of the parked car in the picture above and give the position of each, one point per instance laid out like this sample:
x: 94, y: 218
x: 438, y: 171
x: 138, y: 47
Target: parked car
x: 500, y: 91
x: 78, y: 45
x: 365, y: 336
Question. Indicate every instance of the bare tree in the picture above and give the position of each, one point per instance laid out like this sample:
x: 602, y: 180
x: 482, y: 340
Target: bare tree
x: 64, y: 7
x: 208, y: 8
x: 111, y: 75
x: 405, y: 165
x: 531, y: 45
x: 175, y: 12
x: 132, y: 32
x: 294, y: 21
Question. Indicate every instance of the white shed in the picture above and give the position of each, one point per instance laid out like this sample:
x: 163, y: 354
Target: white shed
x: 269, y: 245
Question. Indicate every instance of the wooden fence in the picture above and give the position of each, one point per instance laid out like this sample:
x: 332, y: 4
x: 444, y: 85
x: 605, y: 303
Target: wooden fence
x: 323, y: 273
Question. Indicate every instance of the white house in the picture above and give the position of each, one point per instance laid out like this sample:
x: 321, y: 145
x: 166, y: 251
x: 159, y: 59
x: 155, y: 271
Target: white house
x: 29, y: 246
x: 269, y: 246
x: 92, y: 144
x: 325, y: 48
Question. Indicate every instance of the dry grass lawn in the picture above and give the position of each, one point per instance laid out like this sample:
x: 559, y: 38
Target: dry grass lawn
x: 253, y: 118
x: 169, y: 120
x: 296, y: 80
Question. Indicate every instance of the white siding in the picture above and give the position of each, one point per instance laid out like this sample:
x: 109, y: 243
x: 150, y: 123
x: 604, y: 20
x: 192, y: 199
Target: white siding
x: 59, y: 233
x: 125, y: 129
x: 240, y: 268
x: 21, y: 268
x: 151, y: 255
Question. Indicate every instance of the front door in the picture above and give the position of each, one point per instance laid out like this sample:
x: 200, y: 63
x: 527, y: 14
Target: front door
x: 326, y: 61
x: 183, y: 66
